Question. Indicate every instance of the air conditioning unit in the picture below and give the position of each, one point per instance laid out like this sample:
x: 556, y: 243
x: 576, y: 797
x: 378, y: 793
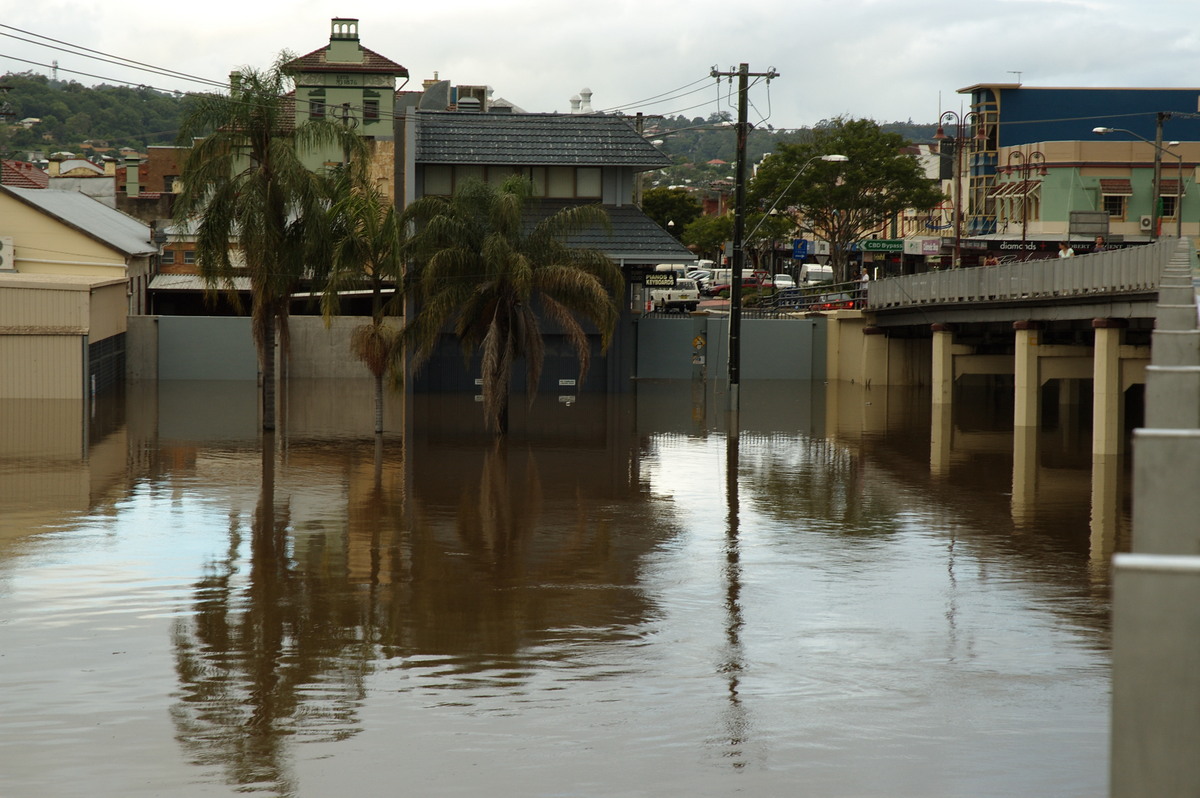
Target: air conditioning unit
x: 8, y: 261
x: 1146, y: 223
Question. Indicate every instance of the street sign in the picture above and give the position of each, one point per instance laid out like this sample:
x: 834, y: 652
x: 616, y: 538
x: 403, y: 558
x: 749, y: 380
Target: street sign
x: 882, y: 245
x: 799, y: 248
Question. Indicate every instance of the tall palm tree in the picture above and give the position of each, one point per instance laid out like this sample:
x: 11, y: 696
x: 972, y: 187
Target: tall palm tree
x: 363, y: 240
x: 489, y: 268
x: 244, y: 181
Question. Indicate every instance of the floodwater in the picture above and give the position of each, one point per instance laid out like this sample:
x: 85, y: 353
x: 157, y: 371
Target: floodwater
x: 852, y: 597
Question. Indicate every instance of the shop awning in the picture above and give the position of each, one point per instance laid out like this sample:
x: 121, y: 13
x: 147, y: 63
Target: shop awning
x: 1116, y: 188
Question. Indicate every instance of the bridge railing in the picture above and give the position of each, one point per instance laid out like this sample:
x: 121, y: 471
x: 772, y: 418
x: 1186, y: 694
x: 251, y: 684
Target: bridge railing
x: 1118, y: 271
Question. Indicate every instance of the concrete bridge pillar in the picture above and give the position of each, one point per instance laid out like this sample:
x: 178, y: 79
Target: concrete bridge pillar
x: 1027, y: 378
x: 1108, y: 388
x: 943, y: 364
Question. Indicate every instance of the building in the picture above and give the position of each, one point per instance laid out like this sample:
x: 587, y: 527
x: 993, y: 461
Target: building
x: 347, y: 82
x: 71, y: 272
x: 569, y: 158
x: 1030, y: 164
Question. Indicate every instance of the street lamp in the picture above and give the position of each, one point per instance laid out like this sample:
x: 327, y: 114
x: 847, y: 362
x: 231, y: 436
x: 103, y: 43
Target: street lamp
x: 960, y: 139
x: 1159, y: 150
x: 1026, y: 166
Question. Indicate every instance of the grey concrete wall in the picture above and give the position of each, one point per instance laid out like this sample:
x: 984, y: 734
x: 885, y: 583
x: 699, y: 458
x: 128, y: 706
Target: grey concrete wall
x: 206, y: 348
x: 141, y: 348
x: 222, y: 348
x: 320, y: 352
x: 671, y: 347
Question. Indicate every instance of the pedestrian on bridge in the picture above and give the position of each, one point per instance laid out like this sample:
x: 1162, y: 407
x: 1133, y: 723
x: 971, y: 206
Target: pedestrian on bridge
x: 1065, y: 251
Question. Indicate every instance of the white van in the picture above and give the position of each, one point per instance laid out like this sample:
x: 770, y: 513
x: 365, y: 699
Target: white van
x: 684, y: 295
x: 814, y: 273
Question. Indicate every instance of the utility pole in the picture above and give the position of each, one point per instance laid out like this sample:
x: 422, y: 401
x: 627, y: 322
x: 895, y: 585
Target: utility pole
x: 1160, y: 117
x: 738, y: 256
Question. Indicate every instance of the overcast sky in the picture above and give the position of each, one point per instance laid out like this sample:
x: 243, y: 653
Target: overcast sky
x: 883, y: 59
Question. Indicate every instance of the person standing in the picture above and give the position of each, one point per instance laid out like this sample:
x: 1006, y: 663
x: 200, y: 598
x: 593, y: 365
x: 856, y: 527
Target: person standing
x: 1099, y: 246
x: 1065, y: 251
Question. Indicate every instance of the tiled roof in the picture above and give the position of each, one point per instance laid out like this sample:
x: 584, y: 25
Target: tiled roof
x: 91, y: 217
x: 1116, y: 188
x: 634, y: 237
x: 1169, y: 187
x: 23, y: 175
x: 372, y: 63
x: 533, y: 140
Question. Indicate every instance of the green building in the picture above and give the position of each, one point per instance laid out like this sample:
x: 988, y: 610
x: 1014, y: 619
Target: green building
x: 347, y: 82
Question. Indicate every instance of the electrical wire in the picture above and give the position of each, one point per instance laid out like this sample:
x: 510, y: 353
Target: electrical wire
x: 106, y: 57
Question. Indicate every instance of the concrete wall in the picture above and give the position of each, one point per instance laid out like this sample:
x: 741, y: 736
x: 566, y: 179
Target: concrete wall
x: 687, y: 347
x: 222, y: 348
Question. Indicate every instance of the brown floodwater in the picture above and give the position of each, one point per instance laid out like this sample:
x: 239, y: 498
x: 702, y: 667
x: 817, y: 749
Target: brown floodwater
x: 853, y: 596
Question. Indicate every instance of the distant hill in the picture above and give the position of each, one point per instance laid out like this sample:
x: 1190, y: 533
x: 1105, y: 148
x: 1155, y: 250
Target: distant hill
x: 72, y: 113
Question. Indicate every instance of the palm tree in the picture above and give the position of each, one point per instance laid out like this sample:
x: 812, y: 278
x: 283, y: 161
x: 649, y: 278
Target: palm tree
x: 487, y: 267
x: 244, y: 181
x: 364, y: 240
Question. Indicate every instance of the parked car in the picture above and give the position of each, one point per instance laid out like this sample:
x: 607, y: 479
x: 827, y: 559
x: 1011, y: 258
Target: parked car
x: 684, y: 296
x: 784, y: 281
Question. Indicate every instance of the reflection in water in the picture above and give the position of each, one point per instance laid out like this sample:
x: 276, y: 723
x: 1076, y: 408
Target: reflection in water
x: 269, y: 652
x: 736, y: 722
x: 614, y: 583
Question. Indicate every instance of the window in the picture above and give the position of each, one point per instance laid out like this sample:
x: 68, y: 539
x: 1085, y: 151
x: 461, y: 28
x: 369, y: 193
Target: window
x: 316, y: 109
x: 1115, y: 205
x: 168, y: 257
x: 561, y: 182
x: 169, y: 183
x: 439, y: 180
x: 370, y: 109
x: 587, y: 182
x: 189, y: 256
x: 1167, y: 206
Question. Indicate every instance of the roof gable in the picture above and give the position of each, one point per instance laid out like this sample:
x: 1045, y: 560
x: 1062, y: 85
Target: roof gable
x: 372, y: 63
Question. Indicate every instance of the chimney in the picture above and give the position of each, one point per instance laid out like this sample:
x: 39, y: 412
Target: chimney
x: 585, y: 96
x: 575, y: 104
x: 131, y: 176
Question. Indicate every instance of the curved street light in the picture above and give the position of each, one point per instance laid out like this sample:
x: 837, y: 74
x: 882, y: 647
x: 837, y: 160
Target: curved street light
x: 1104, y: 131
x: 960, y: 139
x: 1027, y: 165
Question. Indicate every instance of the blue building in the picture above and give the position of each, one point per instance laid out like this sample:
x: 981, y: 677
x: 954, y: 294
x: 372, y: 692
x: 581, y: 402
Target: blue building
x: 1007, y: 122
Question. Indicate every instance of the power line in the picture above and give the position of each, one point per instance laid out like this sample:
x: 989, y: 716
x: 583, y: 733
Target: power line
x: 104, y: 57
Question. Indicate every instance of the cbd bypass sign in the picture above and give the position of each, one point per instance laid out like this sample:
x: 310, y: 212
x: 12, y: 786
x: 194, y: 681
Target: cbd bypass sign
x: 882, y: 245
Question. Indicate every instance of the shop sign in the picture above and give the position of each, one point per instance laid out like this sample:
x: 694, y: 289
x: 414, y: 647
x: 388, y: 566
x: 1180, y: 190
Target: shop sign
x: 882, y: 245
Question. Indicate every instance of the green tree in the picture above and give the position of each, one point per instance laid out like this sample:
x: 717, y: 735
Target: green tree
x: 244, y: 182
x: 364, y: 242
x: 488, y: 269
x: 708, y: 234
x: 665, y: 205
x: 842, y: 202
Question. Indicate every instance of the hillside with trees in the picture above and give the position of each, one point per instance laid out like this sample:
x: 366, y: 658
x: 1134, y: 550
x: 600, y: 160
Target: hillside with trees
x: 72, y: 113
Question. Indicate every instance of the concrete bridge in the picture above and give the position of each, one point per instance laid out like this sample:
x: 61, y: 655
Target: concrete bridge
x: 1119, y: 319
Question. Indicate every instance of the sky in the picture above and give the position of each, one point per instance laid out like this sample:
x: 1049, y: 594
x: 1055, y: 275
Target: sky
x: 885, y: 60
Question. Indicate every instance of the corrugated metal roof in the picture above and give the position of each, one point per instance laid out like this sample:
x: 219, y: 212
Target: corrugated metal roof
x: 91, y: 217
x: 533, y: 140
x: 192, y: 282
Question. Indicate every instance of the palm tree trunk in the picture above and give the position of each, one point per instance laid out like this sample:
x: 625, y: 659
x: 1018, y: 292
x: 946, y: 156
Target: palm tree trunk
x: 378, y: 404
x: 267, y: 356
